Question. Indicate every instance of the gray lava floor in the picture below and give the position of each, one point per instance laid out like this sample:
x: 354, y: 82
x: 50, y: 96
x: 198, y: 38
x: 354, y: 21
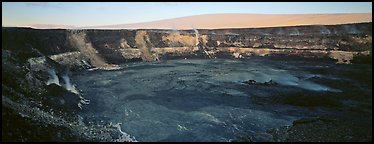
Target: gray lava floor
x: 223, y: 99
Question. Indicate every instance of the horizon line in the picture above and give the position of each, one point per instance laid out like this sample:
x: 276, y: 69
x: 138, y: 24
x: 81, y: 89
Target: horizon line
x: 87, y: 26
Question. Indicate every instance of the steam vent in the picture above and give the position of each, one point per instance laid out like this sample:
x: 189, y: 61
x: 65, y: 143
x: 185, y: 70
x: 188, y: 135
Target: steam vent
x: 265, y: 82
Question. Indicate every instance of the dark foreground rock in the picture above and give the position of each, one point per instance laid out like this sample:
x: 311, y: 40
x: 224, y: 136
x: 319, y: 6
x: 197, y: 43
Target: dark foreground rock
x: 23, y: 129
x: 322, y: 129
x: 39, y: 103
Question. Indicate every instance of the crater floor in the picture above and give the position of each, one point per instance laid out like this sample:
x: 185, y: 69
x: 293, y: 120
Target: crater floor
x: 224, y: 99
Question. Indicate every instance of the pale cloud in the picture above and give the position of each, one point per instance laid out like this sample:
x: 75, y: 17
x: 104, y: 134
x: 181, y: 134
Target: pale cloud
x: 174, y: 3
x: 43, y: 4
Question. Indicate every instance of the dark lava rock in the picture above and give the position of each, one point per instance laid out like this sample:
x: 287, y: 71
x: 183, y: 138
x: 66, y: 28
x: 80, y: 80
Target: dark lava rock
x: 16, y: 129
x: 61, y: 99
x: 253, y: 82
x: 250, y: 82
x: 308, y: 99
x: 271, y: 82
x: 322, y: 129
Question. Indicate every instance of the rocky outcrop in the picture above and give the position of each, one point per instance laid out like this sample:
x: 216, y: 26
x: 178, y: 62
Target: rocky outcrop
x: 254, y: 82
x: 37, y: 93
x: 78, y: 40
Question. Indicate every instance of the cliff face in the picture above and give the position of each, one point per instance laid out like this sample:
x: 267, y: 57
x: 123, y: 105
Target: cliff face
x: 98, y: 48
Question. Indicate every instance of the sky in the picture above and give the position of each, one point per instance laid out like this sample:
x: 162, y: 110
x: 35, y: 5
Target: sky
x: 100, y: 13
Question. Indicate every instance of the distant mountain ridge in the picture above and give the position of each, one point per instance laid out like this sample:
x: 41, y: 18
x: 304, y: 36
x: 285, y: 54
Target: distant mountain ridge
x: 219, y: 21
